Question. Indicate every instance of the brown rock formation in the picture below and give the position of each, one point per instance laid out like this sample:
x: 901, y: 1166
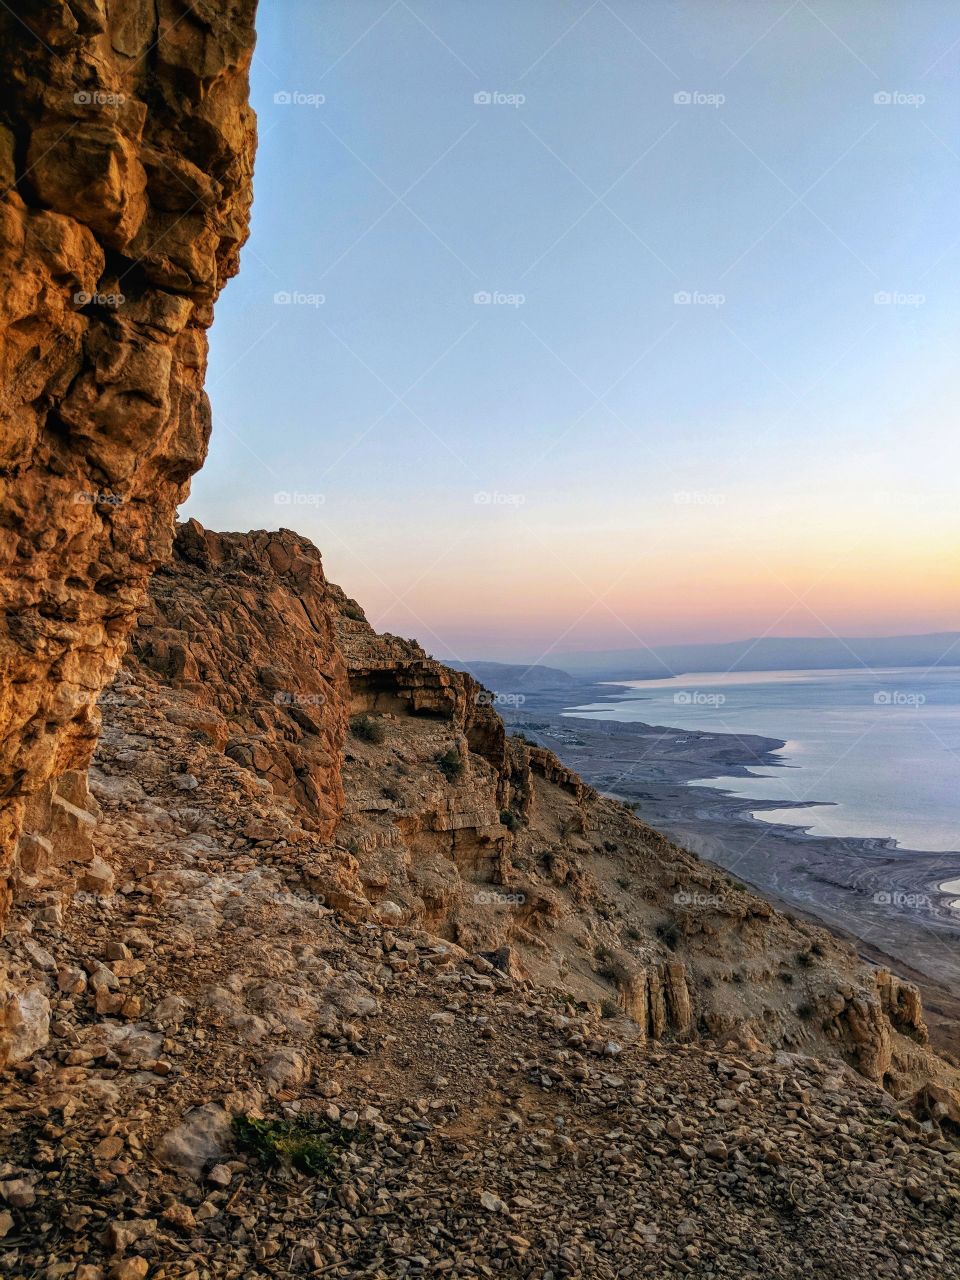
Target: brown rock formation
x: 242, y: 626
x: 126, y: 152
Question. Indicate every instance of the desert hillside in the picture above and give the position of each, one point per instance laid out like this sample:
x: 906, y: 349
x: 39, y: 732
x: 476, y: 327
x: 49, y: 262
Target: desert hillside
x: 328, y: 975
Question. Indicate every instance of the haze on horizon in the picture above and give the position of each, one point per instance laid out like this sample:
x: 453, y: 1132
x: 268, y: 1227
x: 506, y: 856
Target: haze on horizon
x: 725, y: 404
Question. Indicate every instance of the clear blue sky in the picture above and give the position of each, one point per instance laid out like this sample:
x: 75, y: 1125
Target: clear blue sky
x: 600, y: 464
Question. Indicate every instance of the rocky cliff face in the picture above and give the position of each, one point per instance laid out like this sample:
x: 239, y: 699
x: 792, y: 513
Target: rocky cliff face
x: 382, y: 784
x: 126, y: 152
x: 327, y: 895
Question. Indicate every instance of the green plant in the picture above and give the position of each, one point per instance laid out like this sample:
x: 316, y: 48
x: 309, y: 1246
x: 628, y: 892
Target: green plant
x: 509, y: 819
x: 806, y: 1012
x: 805, y: 958
x: 450, y: 764
x: 309, y: 1144
x: 816, y: 949
x: 368, y: 728
x: 609, y: 1009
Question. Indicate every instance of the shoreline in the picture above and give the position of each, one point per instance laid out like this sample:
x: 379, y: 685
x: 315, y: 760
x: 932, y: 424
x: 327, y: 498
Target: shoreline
x: 885, y: 898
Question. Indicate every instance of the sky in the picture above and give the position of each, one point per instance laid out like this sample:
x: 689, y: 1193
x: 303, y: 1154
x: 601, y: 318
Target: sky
x: 591, y: 324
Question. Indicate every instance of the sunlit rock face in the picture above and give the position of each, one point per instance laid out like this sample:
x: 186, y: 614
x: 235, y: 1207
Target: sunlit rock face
x: 126, y: 157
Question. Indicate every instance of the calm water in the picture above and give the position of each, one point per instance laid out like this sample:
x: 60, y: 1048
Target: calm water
x: 874, y: 753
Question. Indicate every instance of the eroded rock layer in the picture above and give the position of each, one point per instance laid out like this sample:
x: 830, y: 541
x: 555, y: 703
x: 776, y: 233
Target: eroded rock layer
x: 126, y: 154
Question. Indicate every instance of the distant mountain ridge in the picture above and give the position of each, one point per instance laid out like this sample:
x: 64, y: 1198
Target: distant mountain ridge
x: 771, y: 653
x: 516, y: 677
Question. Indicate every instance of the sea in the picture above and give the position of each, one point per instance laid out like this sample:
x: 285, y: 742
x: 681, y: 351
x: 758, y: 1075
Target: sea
x: 869, y: 753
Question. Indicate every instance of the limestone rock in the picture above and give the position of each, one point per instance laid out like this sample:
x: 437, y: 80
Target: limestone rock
x: 126, y: 186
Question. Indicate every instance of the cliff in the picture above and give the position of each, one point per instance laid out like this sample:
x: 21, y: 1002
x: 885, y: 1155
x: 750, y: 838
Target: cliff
x: 329, y: 904
x: 126, y: 154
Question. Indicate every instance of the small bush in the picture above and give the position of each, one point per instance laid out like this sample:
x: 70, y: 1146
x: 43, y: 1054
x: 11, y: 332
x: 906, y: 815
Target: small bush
x: 669, y: 934
x: 786, y: 976
x: 633, y: 933
x: 609, y: 1009
x: 309, y: 1144
x: 806, y: 1012
x: 509, y: 819
x: 368, y: 729
x: 623, y: 882
x: 390, y: 793
x: 805, y: 959
x: 450, y: 764
x: 816, y: 949
x: 737, y: 977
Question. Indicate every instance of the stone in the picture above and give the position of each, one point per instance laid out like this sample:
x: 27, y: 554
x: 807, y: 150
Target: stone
x: 24, y: 1025
x: 18, y: 1193
x: 203, y: 1136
